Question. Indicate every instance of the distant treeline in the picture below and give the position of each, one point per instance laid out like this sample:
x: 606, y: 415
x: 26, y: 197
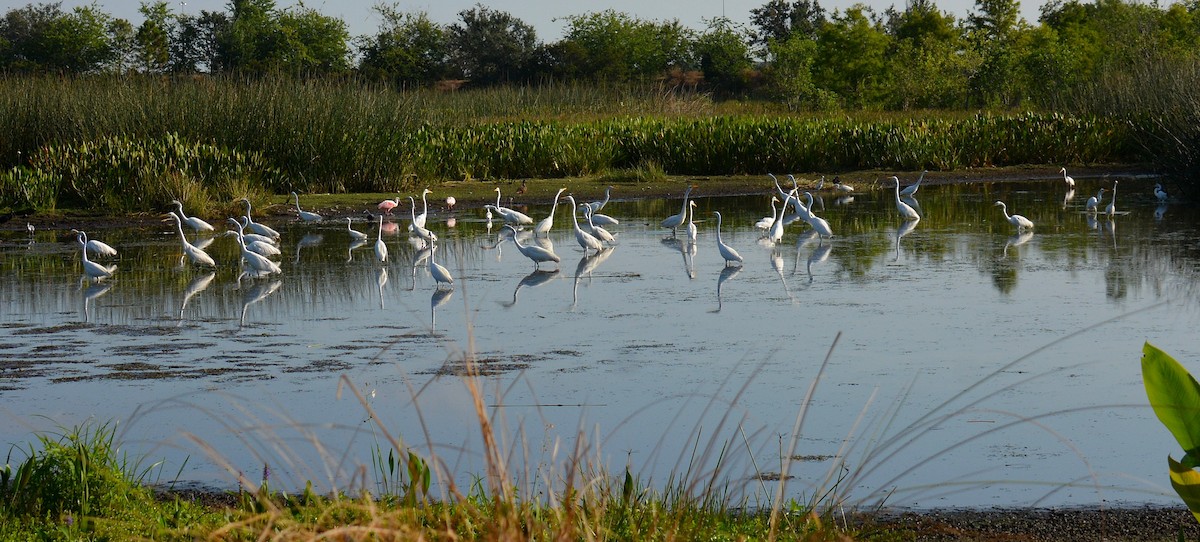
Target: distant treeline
x: 794, y: 53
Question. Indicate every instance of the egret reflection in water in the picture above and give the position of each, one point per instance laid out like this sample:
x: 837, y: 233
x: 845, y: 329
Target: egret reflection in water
x: 439, y: 298
x: 727, y: 272
x: 355, y: 244
x: 256, y: 293
x: 819, y: 255
x: 309, y: 240
x: 905, y: 228
x: 196, y: 286
x: 587, y: 264
x: 532, y: 280
x: 1017, y: 240
x: 91, y: 293
x: 381, y: 278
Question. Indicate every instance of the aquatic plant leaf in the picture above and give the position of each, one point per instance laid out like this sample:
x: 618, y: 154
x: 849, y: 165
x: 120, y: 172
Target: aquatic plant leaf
x: 1175, y: 396
x: 1186, y: 482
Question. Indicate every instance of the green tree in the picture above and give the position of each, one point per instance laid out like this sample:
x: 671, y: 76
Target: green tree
x: 409, y: 48
x: 491, y: 46
x: 851, y: 53
x: 251, y: 41
x: 311, y: 43
x: 196, y: 45
x: 613, y: 46
x: 779, y: 20
x: 153, y: 37
x: 790, y: 75
x: 724, y: 56
x: 929, y: 62
x: 993, y: 31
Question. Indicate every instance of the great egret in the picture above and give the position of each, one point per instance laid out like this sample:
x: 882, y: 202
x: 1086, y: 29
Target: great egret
x: 261, y: 229
x: 1093, y: 203
x: 906, y: 210
x: 440, y: 274
x: 726, y: 251
x: 99, y: 248
x: 818, y: 224
x: 1112, y: 202
x: 419, y: 220
x: 691, y: 225
x: 676, y: 220
x: 534, y: 252
x: 604, y: 220
x: 92, y: 269
x: 355, y: 235
x: 776, y: 232
x: 388, y: 204
x: 425, y: 235
x: 543, y: 226
x: 197, y: 255
x: 912, y: 188
x: 789, y: 198
x: 268, y: 243
x: 597, y: 231
x: 191, y: 221
x: 1067, y: 178
x: 1160, y: 193
x: 585, y: 239
x: 1020, y: 222
x: 840, y: 187
x: 380, y: 247
x: 509, y: 215
x: 765, y: 222
x: 260, y: 263
x: 305, y: 215
x: 595, y: 206
x: 29, y: 227
x: 254, y: 242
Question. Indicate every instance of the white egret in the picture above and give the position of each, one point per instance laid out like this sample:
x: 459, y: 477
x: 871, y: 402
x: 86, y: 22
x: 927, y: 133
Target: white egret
x: 674, y: 221
x: 509, y: 215
x: 197, y: 255
x: 29, y: 227
x: 1112, y: 202
x: 597, y: 231
x: 818, y: 224
x: 1093, y: 203
x: 450, y: 202
x: 419, y: 220
x: 255, y: 227
x: 585, y: 239
x: 1067, y: 178
x: 912, y: 188
x: 604, y: 220
x: 543, y: 226
x: 425, y: 235
x: 100, y: 248
x: 355, y: 235
x: 259, y: 263
x: 776, y: 232
x: 595, y: 206
x: 191, y: 221
x: 255, y: 242
x: 305, y: 215
x: 765, y: 222
x: 906, y: 210
x: 380, y: 247
x: 1020, y: 222
x: 691, y: 225
x: 841, y: 187
x: 1160, y: 193
x: 726, y: 251
x: 789, y: 198
x: 252, y: 239
x: 534, y: 252
x: 92, y: 269
x: 440, y: 273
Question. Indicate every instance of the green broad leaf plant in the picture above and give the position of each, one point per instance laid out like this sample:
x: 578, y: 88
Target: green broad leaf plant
x: 1175, y: 396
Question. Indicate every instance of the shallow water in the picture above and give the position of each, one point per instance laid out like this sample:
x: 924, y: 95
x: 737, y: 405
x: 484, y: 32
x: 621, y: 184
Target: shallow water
x: 967, y: 365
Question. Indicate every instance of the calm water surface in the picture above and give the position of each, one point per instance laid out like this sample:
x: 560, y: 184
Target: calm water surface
x: 967, y: 365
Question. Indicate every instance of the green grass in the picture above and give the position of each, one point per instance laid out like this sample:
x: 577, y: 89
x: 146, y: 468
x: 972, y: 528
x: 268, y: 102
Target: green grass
x: 132, y: 144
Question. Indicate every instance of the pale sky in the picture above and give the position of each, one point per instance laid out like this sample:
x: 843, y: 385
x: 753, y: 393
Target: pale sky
x: 544, y: 15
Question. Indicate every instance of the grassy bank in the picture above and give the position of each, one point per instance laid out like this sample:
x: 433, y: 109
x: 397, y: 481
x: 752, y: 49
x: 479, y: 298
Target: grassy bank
x: 133, y: 144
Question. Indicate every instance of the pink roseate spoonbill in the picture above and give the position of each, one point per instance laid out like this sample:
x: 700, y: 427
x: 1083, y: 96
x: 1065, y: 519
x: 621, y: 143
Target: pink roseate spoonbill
x: 388, y: 204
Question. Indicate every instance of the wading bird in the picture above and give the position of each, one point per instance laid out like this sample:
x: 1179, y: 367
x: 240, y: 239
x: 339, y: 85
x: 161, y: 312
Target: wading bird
x: 1020, y: 222
x: 543, y: 226
x: 355, y: 234
x: 906, y: 210
x: 912, y: 188
x: 726, y: 251
x: 100, y: 248
x: 1093, y: 203
x: 425, y: 235
x: 259, y: 263
x: 440, y: 274
x: 419, y: 220
x: 595, y: 206
x: 1067, y: 179
x: 691, y: 226
x: 380, y: 247
x: 388, y: 204
x: 305, y: 215
x: 197, y: 255
x: 585, y: 239
x: 597, y: 231
x: 534, y: 252
x: 93, y: 270
x: 674, y: 221
x: 261, y: 229
x: 1112, y: 202
x: 191, y: 221
x: 1160, y: 193
x: 509, y: 215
